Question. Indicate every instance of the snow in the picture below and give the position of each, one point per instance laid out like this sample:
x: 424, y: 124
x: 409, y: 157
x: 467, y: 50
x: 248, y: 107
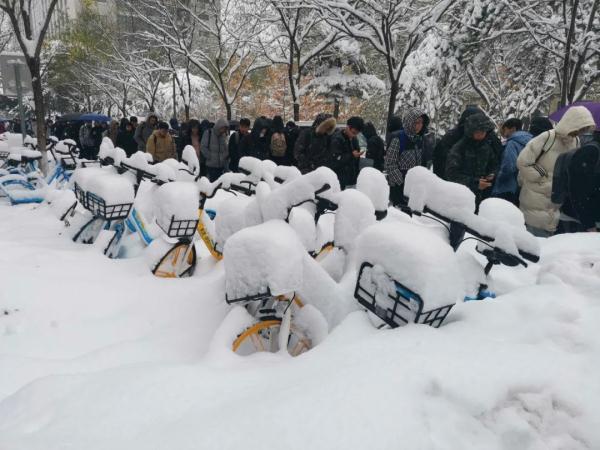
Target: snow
x: 177, y: 200
x: 266, y: 256
x: 278, y: 202
x: 424, y: 189
x: 374, y: 185
x: 355, y: 213
x: 138, y: 362
x: 190, y: 158
x: 113, y: 189
x: 303, y: 223
x: 418, y: 259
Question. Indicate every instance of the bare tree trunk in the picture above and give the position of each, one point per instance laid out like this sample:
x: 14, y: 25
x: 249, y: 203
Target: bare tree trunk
x: 228, y: 109
x: 40, y: 110
x: 336, y: 108
x: 394, y: 89
x: 566, y: 69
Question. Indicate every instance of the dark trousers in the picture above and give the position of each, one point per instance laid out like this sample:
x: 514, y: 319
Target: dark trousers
x: 397, y: 195
x: 214, y: 173
x: 512, y: 197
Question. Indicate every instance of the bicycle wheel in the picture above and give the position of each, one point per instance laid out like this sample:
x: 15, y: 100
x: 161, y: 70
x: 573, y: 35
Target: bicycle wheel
x: 263, y: 336
x: 178, y: 262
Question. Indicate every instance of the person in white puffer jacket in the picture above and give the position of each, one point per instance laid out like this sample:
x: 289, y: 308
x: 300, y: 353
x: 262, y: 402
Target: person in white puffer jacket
x: 536, y: 166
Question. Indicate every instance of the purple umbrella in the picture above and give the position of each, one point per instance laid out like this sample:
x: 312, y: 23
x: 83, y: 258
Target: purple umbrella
x: 593, y: 107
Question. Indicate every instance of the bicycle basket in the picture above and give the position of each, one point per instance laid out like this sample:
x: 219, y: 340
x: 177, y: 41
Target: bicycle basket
x: 180, y: 228
x: 68, y: 163
x: 399, y: 305
x: 4, y: 155
x: 99, y: 208
x: 250, y: 298
x: 80, y: 195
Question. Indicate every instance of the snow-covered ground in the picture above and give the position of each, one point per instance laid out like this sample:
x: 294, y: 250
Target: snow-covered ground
x: 99, y: 354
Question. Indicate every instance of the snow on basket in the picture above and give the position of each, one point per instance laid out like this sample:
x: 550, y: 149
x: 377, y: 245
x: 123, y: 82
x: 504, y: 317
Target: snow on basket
x: 425, y: 190
x: 263, y: 260
x: 374, y: 185
x: 407, y: 274
x: 110, y: 196
x: 354, y: 214
x: 177, y: 208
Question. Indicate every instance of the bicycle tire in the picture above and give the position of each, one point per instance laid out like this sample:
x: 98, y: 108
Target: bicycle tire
x: 172, y: 265
x: 264, y: 336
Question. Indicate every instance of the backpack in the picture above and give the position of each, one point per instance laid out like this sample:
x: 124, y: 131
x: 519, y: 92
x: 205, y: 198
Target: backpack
x: 278, y: 145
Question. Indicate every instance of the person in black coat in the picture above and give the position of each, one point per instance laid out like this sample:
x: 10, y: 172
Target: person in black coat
x: 236, y: 143
x: 345, y: 151
x: 539, y: 125
x: 312, y: 148
x: 292, y: 132
x: 259, y: 142
x: 126, y: 139
x: 375, y: 146
x: 584, y: 184
x: 449, y: 140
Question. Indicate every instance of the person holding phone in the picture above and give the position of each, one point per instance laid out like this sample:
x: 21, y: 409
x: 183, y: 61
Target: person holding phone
x: 409, y: 147
x: 345, y: 151
x: 473, y: 160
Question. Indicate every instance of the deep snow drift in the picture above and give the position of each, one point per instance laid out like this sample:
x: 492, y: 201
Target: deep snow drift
x: 99, y: 354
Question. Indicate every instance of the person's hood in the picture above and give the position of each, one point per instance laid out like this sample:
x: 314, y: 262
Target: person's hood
x: 540, y: 124
x: 410, y: 119
x: 477, y: 122
x: 575, y: 119
x: 220, y: 123
x: 327, y: 126
x: 468, y: 112
x: 521, y: 137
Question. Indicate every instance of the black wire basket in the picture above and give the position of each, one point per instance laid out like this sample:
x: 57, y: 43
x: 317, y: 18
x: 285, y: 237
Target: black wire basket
x: 80, y: 195
x: 99, y: 208
x: 4, y: 155
x: 68, y: 163
x: 402, y: 307
x: 180, y: 229
x: 262, y: 297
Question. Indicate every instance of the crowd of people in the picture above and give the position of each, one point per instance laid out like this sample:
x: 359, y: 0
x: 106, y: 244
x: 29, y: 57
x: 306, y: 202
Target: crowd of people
x: 551, y: 173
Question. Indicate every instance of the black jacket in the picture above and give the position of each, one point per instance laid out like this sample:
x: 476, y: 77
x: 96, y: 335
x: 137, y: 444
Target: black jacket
x: 312, y: 148
x: 126, y: 140
x: 343, y: 162
x: 584, y: 184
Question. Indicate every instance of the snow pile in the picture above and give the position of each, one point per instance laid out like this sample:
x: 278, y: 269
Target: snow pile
x: 416, y: 258
x: 278, y: 202
x: 230, y: 217
x: 164, y: 172
x: 176, y: 201
x: 266, y: 256
x: 321, y: 177
x: 83, y: 176
x: 303, y: 223
x: 139, y: 161
x: 190, y: 159
x: 355, y: 213
x: 286, y: 173
x: 374, y: 185
x: 424, y: 189
x: 61, y: 201
x: 113, y: 189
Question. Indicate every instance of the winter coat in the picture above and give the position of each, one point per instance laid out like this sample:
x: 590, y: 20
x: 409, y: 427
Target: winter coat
x: 449, y: 140
x: 215, y: 147
x: 312, y: 149
x: 161, y: 148
x: 536, y: 167
x: 506, y: 178
x: 235, y: 148
x: 407, y: 148
x: 142, y: 133
x: 343, y: 162
x: 584, y: 184
x: 376, y: 151
x: 469, y: 160
x: 539, y: 125
x: 126, y: 140
x: 85, y: 136
x: 291, y: 136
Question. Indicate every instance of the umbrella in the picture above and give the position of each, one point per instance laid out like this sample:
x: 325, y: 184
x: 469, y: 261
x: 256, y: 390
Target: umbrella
x: 69, y: 117
x: 94, y: 117
x: 593, y: 107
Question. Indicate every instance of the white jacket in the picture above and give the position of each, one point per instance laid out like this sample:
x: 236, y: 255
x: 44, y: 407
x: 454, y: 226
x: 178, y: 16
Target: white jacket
x: 536, y: 166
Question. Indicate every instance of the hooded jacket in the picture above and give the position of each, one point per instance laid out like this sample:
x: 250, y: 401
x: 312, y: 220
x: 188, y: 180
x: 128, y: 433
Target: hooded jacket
x: 536, y: 166
x: 144, y: 131
x: 506, y: 178
x: 470, y: 160
x: 215, y: 147
x: 408, y: 148
x: 584, y: 184
x: 312, y: 146
x: 160, y: 147
x: 449, y: 140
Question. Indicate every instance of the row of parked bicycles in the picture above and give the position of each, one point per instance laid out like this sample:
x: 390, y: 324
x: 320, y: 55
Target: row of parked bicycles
x: 291, y: 243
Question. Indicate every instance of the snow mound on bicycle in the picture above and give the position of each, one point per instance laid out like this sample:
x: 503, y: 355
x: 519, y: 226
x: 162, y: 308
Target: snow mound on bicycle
x: 266, y: 257
x: 424, y: 262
